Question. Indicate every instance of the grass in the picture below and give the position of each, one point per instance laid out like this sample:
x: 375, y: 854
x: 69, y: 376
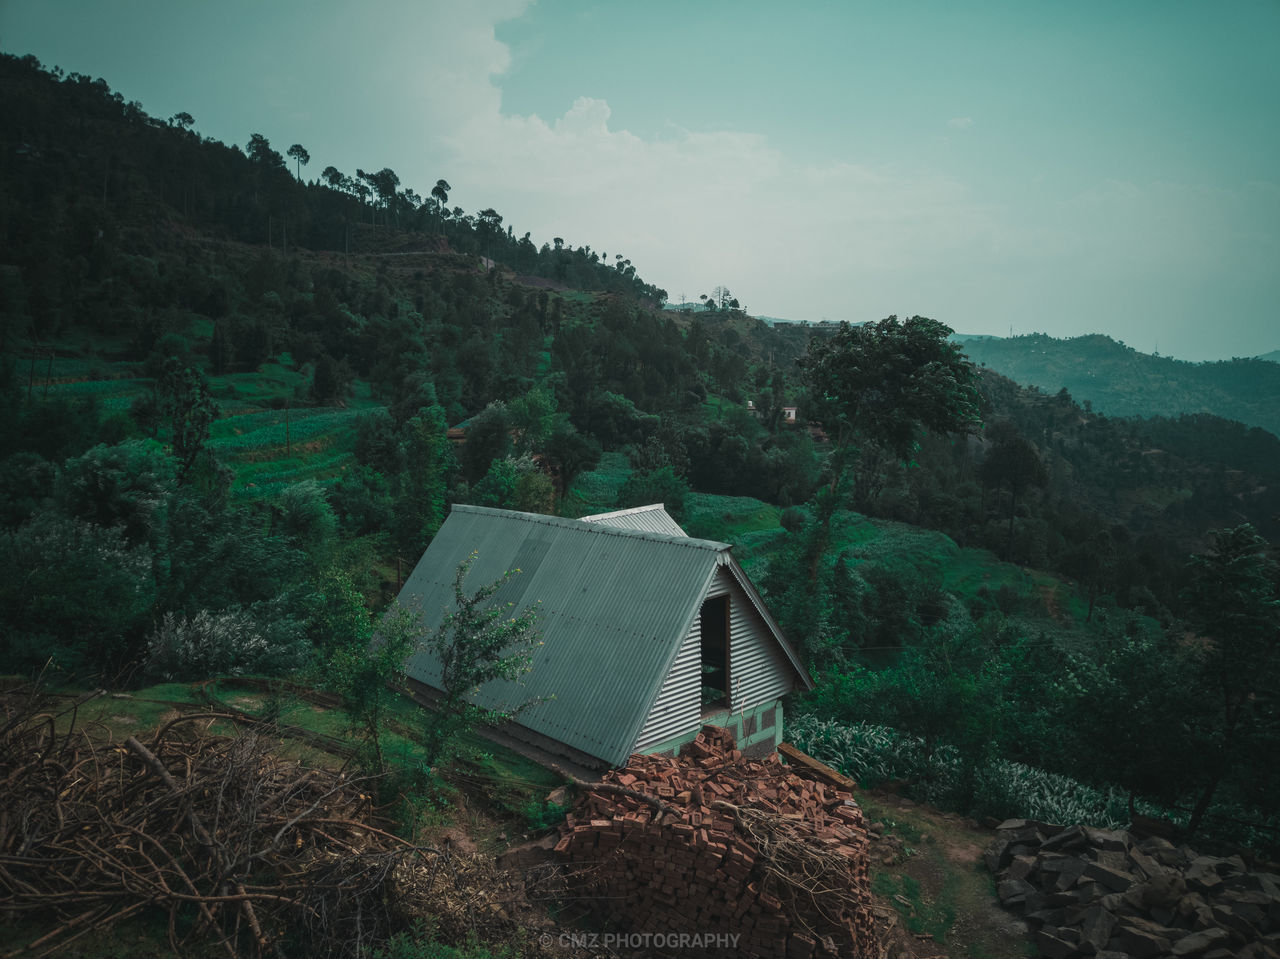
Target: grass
x: 928, y: 916
x: 597, y: 491
x: 268, y: 429
x: 271, y: 384
x: 939, y: 887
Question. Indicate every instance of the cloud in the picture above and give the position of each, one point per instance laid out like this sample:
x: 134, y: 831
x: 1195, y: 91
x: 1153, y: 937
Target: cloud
x: 697, y: 208
x: 960, y: 123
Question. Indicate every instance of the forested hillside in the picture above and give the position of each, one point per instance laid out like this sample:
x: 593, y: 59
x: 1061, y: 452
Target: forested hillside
x: 235, y: 406
x: 1118, y: 380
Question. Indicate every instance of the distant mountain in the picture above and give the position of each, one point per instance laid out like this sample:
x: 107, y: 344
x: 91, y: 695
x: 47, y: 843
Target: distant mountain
x: 1120, y: 381
x: 1273, y: 356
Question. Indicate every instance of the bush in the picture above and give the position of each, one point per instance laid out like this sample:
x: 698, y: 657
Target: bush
x: 542, y: 816
x: 229, y: 642
x: 793, y: 519
x: 873, y: 754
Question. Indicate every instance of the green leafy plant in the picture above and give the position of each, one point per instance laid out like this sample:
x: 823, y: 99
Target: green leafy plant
x: 476, y: 643
x: 541, y: 816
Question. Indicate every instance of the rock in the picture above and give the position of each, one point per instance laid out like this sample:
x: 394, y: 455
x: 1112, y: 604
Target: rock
x: 1061, y: 900
x: 1202, y: 874
x: 1068, y: 871
x: 1111, y: 858
x: 1241, y: 929
x: 1014, y: 890
x: 1049, y: 919
x: 1072, y: 837
x: 1252, y: 905
x: 1149, y: 867
x: 1163, y: 851
x: 1097, y: 927
x: 1194, y: 911
x: 1114, y: 903
x: 1053, y: 947
x: 1232, y: 866
x: 1200, y: 942
x: 1258, y: 950
x: 997, y: 855
x: 1087, y: 890
x: 1160, y: 891
x: 1113, y: 840
x: 1113, y: 879
x: 1020, y: 867
x: 559, y: 796
x: 1019, y: 825
x: 1139, y: 938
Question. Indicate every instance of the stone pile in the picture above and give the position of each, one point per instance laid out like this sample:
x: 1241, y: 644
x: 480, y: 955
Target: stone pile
x: 1107, y: 894
x: 716, y: 844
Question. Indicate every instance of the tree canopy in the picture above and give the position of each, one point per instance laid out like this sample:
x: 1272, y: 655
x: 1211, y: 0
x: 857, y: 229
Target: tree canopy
x: 882, y: 382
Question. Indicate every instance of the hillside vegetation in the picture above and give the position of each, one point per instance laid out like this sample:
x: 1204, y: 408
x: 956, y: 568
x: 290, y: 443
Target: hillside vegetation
x: 1119, y: 381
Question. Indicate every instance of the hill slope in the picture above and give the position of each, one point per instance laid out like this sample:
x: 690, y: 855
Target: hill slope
x: 1120, y: 381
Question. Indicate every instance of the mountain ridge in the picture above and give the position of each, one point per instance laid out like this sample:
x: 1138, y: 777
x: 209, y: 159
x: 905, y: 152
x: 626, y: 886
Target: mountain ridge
x: 1118, y: 380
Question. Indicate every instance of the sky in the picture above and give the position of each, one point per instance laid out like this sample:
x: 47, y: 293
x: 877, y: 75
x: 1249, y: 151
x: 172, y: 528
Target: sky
x: 1023, y: 166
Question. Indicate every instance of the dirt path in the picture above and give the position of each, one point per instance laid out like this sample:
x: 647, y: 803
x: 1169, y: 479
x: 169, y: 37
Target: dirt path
x: 927, y: 869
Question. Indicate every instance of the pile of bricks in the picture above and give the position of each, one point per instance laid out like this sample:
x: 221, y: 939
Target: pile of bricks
x: 711, y: 856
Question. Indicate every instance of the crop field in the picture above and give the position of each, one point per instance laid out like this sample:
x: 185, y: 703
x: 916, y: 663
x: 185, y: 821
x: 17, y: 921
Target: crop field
x: 269, y: 385
x: 115, y: 394
x: 267, y: 429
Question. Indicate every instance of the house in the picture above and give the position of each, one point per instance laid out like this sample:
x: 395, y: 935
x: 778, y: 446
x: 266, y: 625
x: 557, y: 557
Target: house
x: 647, y: 633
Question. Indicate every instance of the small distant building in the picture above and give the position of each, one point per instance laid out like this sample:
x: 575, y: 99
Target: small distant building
x: 647, y: 633
x: 789, y: 413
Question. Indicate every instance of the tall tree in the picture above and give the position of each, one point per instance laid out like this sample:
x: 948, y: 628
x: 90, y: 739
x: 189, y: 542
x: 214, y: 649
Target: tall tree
x: 1233, y: 604
x: 334, y: 177
x: 1014, y: 464
x: 885, y: 382
x: 183, y: 399
x: 300, y: 156
x: 259, y: 151
x: 881, y: 383
x: 440, y: 193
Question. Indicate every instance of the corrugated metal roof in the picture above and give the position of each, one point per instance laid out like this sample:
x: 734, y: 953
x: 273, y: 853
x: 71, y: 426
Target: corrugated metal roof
x: 613, y: 606
x: 651, y: 519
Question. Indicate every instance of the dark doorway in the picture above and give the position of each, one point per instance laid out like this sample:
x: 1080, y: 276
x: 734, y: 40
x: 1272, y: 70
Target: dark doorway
x: 715, y: 653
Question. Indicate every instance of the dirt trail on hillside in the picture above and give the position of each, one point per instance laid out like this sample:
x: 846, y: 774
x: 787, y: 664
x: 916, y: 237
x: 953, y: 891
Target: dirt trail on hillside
x: 934, y: 895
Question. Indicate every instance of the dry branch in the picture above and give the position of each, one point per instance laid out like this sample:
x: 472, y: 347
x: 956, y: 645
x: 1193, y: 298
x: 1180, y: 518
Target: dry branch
x: 237, y: 845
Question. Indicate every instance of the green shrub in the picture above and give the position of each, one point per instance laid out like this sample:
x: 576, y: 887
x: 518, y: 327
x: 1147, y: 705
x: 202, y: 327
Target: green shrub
x: 873, y: 754
x: 542, y: 816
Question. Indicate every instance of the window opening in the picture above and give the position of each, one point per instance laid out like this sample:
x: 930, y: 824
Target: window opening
x: 714, y: 621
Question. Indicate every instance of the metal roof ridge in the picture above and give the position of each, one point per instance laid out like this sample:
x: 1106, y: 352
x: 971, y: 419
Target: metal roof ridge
x: 602, y: 529
x: 624, y: 512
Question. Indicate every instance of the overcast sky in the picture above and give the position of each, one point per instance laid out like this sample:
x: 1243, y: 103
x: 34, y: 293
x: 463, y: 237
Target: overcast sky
x: 1065, y: 168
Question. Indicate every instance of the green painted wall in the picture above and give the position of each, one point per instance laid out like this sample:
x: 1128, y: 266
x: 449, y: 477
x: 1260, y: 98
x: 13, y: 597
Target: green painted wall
x: 762, y: 737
